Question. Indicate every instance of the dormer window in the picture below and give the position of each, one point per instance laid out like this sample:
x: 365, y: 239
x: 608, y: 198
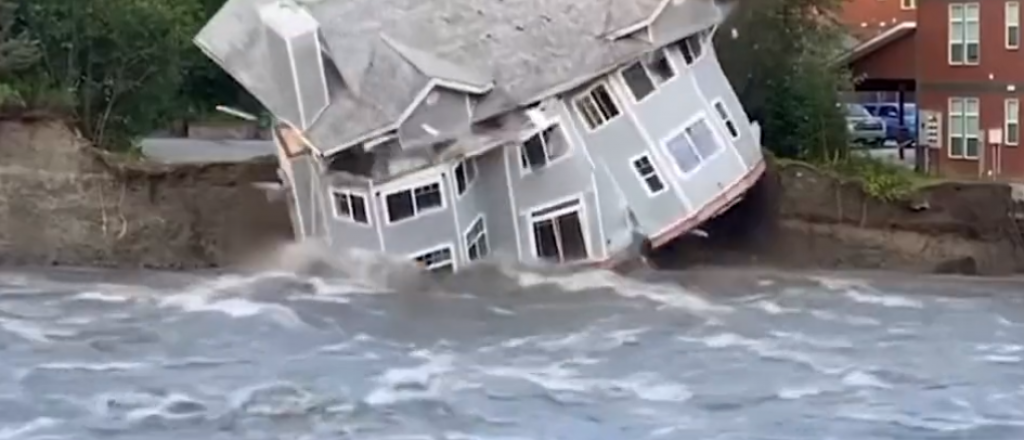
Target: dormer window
x: 691, y: 47
x: 596, y: 106
x: 543, y: 148
x: 643, y: 77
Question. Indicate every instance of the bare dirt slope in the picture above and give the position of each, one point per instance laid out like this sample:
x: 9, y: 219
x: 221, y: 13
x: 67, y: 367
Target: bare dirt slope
x: 801, y: 217
x: 63, y: 202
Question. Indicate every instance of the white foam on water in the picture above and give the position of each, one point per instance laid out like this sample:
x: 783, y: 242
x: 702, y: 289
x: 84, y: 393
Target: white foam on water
x: 21, y: 432
x: 799, y: 392
x: 860, y: 321
x: 863, y: 379
x: 422, y: 382
x: 817, y: 342
x: 773, y: 308
x: 106, y: 367
x: 233, y: 307
x: 101, y: 297
x: 588, y: 279
x: 883, y: 300
x: 650, y: 387
x: 766, y: 349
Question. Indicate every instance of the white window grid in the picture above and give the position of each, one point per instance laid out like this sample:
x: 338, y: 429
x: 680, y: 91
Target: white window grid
x: 1011, y: 125
x: 964, y: 34
x: 1012, y: 20
x: 964, y: 125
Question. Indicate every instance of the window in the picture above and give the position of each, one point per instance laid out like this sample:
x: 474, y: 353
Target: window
x: 476, y: 240
x: 691, y: 47
x: 645, y: 169
x: 694, y: 145
x: 543, y: 148
x: 465, y: 174
x: 964, y: 34
x: 596, y: 106
x: 908, y: 4
x: 640, y: 85
x: 643, y: 77
x: 1012, y: 12
x: 414, y: 201
x: 964, y: 128
x: 350, y: 206
x: 439, y: 260
x: 726, y: 118
x: 558, y: 233
x: 1011, y: 127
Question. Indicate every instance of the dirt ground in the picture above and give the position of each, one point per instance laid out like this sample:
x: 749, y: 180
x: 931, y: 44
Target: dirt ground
x: 800, y: 217
x: 64, y: 203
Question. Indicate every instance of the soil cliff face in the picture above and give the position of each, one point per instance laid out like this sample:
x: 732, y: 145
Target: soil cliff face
x: 63, y: 202
x: 799, y: 216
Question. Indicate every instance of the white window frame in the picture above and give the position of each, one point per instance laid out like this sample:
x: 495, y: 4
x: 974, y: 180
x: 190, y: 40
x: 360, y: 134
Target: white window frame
x: 963, y: 127
x: 699, y: 37
x: 452, y: 261
x: 556, y: 125
x: 644, y: 66
x: 963, y: 39
x: 643, y: 177
x: 681, y: 131
x: 349, y: 193
x: 587, y: 93
x: 416, y: 211
x: 1011, y: 12
x: 579, y: 207
x: 483, y: 236
x: 908, y: 5
x: 726, y: 119
x: 1011, y: 125
x: 466, y: 164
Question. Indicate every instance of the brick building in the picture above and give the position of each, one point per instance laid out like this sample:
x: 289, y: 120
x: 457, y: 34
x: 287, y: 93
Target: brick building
x: 959, y: 58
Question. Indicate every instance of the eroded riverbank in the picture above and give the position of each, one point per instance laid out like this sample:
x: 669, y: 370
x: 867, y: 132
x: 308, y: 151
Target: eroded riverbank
x: 62, y: 203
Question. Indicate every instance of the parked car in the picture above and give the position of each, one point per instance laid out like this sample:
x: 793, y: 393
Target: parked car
x: 865, y: 128
x: 895, y: 129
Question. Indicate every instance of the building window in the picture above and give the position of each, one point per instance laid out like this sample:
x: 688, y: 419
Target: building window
x: 543, y: 148
x: 726, y: 118
x: 438, y: 260
x: 691, y: 47
x: 643, y: 77
x: 411, y: 202
x: 476, y: 240
x: 465, y: 174
x: 596, y: 106
x: 1012, y: 12
x: 1011, y: 127
x: 964, y: 34
x: 558, y: 233
x: 693, y: 146
x: 349, y: 206
x: 964, y: 128
x: 908, y: 4
x: 645, y: 170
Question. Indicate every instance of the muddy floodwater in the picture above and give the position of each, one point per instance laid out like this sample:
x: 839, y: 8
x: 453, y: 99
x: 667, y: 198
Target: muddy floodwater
x: 510, y: 354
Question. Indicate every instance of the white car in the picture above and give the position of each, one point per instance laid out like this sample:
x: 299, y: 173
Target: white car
x: 864, y: 128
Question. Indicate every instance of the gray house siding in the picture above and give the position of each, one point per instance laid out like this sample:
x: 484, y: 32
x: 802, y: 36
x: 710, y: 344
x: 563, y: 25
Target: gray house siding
x: 488, y: 196
x: 426, y: 231
x: 565, y: 178
x: 716, y: 86
x: 678, y: 103
x: 304, y: 194
x: 612, y: 147
x: 442, y: 109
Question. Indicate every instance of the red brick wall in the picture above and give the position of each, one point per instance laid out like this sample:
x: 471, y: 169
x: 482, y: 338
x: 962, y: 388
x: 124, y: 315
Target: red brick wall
x: 991, y: 116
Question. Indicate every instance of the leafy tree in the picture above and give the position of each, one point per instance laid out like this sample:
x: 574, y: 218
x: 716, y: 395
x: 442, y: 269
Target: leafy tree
x: 779, y: 62
x: 121, y: 60
x: 17, y: 52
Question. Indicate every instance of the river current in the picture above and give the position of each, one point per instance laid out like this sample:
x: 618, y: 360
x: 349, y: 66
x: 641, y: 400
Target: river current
x: 498, y: 354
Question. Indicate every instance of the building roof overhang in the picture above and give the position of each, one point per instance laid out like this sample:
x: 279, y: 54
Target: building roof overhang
x: 877, y: 43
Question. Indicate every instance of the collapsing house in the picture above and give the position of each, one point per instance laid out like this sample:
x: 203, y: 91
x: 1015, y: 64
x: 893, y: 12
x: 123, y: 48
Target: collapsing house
x: 449, y: 131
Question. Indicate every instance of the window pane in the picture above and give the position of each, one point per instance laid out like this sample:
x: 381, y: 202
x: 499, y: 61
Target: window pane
x: 589, y: 112
x: 570, y: 230
x: 1012, y: 110
x: 1013, y: 36
x: 473, y: 252
x: 482, y: 246
x: 643, y: 166
x: 972, y: 147
x: 639, y: 83
x: 956, y: 125
x: 956, y: 106
x: 705, y: 140
x: 555, y: 142
x: 460, y: 177
x: 956, y: 53
x: 341, y: 202
x: 956, y: 32
x: 359, y: 209
x: 400, y: 206
x: 972, y: 126
x: 654, y: 183
x: 971, y: 12
x: 659, y: 67
x: 533, y: 152
x: 971, y: 106
x: 544, y: 239
x: 428, y: 196
x: 684, y: 153
x: 1013, y: 133
x: 956, y: 146
x: 605, y: 102
x: 956, y: 12
x: 972, y: 33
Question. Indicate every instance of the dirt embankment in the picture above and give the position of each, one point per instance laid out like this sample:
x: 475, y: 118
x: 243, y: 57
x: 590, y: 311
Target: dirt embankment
x: 63, y: 202
x: 801, y: 217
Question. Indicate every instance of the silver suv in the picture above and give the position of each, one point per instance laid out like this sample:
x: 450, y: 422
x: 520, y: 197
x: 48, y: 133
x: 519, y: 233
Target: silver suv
x: 864, y: 128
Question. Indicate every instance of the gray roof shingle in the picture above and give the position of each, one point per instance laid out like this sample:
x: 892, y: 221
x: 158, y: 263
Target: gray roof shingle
x: 387, y: 50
